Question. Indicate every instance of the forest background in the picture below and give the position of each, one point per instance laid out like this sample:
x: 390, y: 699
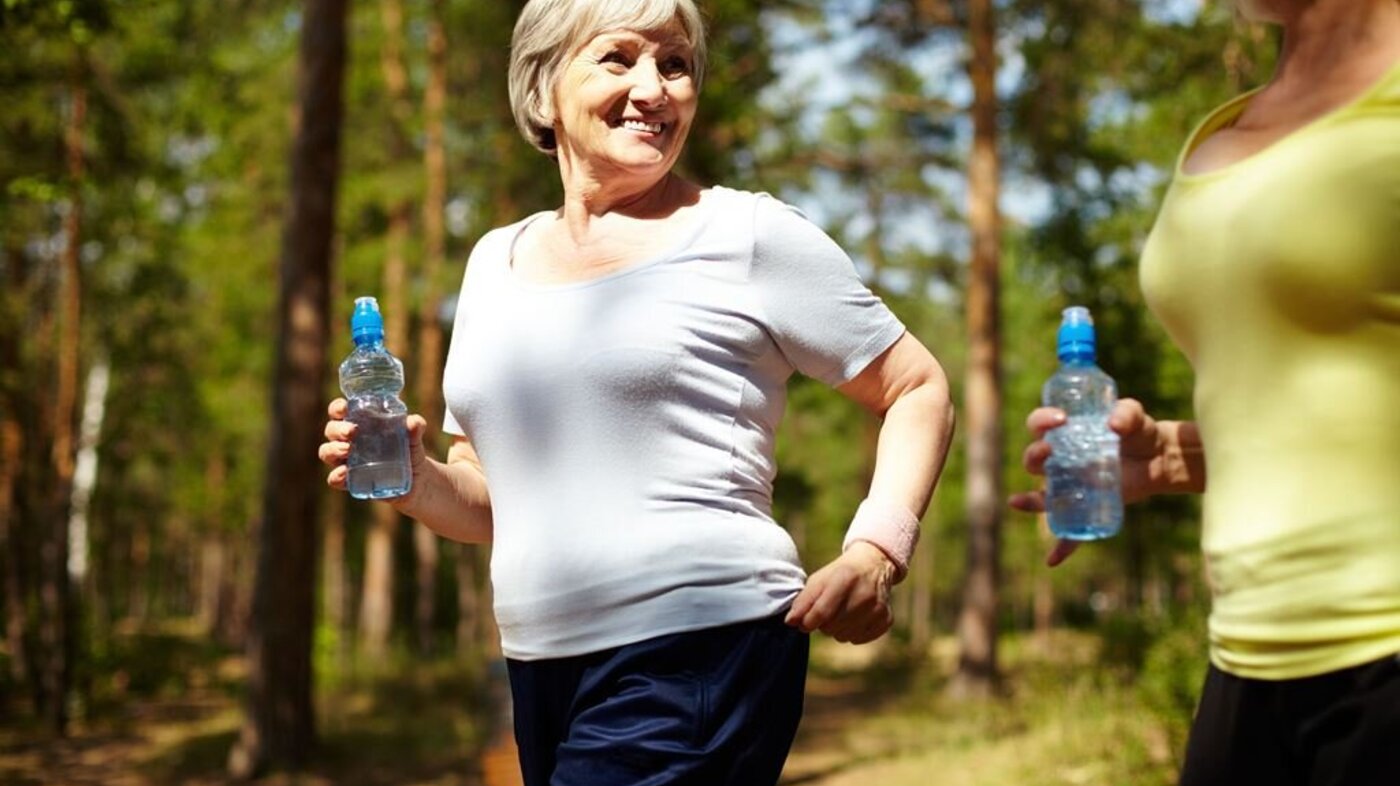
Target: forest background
x: 191, y: 194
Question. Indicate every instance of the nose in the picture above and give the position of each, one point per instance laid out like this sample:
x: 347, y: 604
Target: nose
x: 648, y: 88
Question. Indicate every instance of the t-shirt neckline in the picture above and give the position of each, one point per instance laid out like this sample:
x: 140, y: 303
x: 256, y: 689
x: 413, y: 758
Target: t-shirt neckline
x: 1227, y: 113
x: 704, y: 212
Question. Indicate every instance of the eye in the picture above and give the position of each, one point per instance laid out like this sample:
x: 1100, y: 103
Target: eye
x: 674, y: 67
x: 616, y: 61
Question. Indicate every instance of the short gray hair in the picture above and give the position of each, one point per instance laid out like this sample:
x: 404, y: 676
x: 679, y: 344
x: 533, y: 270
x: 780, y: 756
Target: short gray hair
x: 549, y: 31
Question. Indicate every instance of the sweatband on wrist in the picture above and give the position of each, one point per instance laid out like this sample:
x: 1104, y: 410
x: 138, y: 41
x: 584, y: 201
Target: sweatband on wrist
x: 887, y: 526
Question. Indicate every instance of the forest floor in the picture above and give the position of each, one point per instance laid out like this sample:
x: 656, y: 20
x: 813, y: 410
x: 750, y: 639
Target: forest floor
x: 871, y: 717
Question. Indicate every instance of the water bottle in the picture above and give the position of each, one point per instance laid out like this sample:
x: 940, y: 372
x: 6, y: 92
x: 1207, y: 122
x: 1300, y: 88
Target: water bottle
x: 371, y: 379
x: 1083, y: 493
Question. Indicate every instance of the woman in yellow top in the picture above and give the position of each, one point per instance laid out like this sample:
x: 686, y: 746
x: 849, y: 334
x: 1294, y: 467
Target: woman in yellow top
x: 1275, y: 265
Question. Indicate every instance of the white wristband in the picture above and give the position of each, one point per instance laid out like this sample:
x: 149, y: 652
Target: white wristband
x: 887, y: 526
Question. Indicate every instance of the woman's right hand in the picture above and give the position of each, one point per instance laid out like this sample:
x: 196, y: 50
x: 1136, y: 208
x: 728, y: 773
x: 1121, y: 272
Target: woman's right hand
x: 1157, y: 457
x: 335, y: 451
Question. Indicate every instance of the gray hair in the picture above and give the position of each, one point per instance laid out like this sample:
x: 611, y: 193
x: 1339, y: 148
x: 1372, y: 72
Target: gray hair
x: 548, y: 32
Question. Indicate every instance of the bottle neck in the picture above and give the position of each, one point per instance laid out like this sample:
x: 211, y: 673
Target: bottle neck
x: 371, y: 341
x: 1077, y: 359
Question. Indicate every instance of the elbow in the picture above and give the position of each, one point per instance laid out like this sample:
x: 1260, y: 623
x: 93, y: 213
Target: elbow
x: 928, y: 391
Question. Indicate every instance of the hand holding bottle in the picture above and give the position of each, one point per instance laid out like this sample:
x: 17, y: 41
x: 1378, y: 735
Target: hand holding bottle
x: 378, y: 462
x: 1083, y: 496
x: 340, y: 433
x: 1157, y: 457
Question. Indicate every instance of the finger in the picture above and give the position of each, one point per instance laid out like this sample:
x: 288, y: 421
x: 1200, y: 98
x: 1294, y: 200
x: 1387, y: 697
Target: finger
x: 1137, y: 429
x: 1128, y: 417
x: 337, y: 409
x: 339, y: 430
x: 877, y: 627
x: 829, y: 603
x: 1042, y: 419
x: 846, y: 622
x: 417, y: 429
x: 333, y: 453
x: 1028, y: 501
x: 336, y: 477
x: 802, y: 604
x: 845, y: 625
x: 1061, y: 552
x: 861, y: 622
x: 1034, y: 456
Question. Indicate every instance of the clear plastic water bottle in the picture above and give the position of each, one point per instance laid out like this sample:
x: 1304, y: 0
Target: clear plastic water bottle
x: 1083, y: 490
x: 371, y: 379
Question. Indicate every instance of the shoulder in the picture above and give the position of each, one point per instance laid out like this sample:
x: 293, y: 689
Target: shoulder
x: 496, y: 247
x: 501, y: 239
x: 760, y: 206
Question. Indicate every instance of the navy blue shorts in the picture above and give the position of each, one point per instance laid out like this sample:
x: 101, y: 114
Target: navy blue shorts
x: 714, y: 707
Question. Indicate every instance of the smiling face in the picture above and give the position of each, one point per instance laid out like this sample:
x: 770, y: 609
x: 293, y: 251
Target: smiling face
x: 625, y: 101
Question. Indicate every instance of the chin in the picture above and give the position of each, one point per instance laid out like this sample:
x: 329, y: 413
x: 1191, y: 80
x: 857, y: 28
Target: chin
x: 637, y: 160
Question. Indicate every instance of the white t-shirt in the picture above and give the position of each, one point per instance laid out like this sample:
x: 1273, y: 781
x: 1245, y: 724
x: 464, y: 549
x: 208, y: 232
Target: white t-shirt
x: 626, y: 423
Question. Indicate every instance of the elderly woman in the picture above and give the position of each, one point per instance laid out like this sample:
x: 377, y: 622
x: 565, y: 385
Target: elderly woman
x: 1275, y: 266
x: 615, y: 380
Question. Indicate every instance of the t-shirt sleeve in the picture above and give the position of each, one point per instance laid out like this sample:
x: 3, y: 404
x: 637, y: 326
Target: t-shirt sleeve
x: 826, y: 322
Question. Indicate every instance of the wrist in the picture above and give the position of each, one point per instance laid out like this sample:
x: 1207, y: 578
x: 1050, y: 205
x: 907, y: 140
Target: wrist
x: 889, y: 527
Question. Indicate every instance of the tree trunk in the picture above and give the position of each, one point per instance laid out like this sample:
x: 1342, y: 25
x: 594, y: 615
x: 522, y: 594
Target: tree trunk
x: 11, y: 449
x: 377, y: 594
x: 211, y: 582
x: 214, y: 560
x: 429, y: 377
x: 921, y: 590
x: 377, y: 600
x: 468, y: 600
x: 434, y: 208
x: 977, y: 624
x: 11, y: 459
x: 333, y: 586
x: 85, y: 473
x: 279, y: 729
x: 56, y: 627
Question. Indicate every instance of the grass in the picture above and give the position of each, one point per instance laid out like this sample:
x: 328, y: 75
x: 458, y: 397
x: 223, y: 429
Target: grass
x: 166, y: 706
x: 1063, y: 718
x: 1079, y: 709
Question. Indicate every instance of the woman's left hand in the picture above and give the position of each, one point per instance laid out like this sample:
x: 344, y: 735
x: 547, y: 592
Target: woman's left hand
x: 849, y: 599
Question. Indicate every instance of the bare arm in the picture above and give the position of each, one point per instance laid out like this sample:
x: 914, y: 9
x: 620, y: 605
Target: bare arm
x: 849, y: 598
x: 908, y: 390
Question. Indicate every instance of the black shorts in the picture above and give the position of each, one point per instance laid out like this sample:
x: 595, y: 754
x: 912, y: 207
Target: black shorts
x: 715, y: 707
x: 1341, y: 728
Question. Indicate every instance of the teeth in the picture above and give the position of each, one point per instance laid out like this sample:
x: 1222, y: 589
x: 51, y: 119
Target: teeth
x: 638, y: 125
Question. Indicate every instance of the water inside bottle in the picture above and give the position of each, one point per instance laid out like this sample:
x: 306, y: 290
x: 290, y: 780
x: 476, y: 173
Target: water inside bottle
x: 378, y: 463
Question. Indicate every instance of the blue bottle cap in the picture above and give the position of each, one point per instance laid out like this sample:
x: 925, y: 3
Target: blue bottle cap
x: 1075, y: 340
x: 366, y: 323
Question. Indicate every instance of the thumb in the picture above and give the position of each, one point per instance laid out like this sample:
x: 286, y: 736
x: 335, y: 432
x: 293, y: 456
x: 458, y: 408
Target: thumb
x: 417, y: 426
x: 1061, y: 552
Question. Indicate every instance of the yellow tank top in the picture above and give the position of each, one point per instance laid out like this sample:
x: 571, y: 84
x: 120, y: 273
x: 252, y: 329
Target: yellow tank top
x: 1279, y: 277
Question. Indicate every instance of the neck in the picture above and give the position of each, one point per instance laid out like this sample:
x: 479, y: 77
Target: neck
x: 590, y: 194
x: 1324, y: 37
